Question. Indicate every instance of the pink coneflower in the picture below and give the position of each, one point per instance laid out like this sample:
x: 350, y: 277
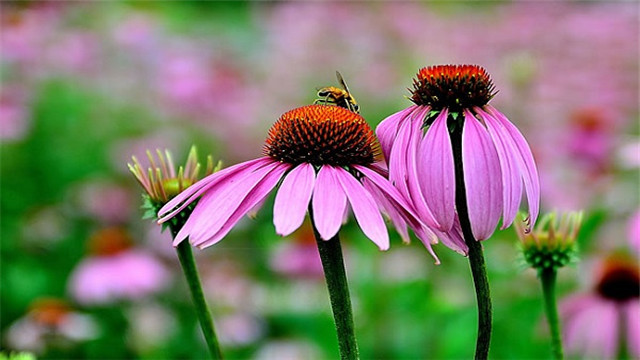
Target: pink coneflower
x: 116, y: 271
x: 451, y: 106
x: 598, y: 323
x: 318, y: 154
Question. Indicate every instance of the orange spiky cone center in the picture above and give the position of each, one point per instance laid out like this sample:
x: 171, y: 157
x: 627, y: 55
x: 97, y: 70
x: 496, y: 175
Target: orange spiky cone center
x: 455, y: 87
x: 322, y: 135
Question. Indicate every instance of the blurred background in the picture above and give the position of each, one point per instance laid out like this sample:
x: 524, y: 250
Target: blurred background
x: 86, y: 85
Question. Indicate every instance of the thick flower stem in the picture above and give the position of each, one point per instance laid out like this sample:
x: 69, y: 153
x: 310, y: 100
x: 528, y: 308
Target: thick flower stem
x: 336, y: 277
x: 548, y: 279
x: 476, y: 256
x: 202, y: 310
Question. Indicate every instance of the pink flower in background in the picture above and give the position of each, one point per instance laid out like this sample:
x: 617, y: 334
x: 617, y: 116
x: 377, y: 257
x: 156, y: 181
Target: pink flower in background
x: 299, y: 257
x: 496, y: 158
x: 598, y: 322
x: 50, y: 323
x: 116, y: 271
x: 25, y: 31
x: 633, y: 231
x: 105, y: 201
x: 318, y: 150
x: 74, y: 52
x: 240, y: 329
x: 14, y: 115
x: 590, y: 139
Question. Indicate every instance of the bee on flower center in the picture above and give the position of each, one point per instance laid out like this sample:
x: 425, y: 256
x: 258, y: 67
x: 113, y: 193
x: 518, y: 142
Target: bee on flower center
x: 332, y: 95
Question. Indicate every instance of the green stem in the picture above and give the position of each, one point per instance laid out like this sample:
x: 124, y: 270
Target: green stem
x: 336, y: 277
x: 476, y: 256
x: 202, y: 310
x: 548, y: 279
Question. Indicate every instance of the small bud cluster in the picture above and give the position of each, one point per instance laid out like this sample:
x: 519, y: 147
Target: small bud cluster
x: 162, y: 182
x: 552, y: 244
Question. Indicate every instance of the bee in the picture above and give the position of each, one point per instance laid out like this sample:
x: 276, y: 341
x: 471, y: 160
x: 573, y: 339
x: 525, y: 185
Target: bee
x: 332, y: 95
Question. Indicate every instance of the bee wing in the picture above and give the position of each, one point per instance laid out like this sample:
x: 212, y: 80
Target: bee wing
x: 342, y: 82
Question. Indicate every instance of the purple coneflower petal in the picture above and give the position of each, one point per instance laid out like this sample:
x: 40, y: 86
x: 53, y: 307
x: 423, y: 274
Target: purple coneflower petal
x: 398, y: 157
x: 390, y: 195
x: 219, y: 203
x: 632, y: 319
x: 388, y: 129
x: 292, y: 199
x: 482, y: 178
x: 194, y: 191
x: 603, y: 339
x: 511, y: 176
x: 402, y: 164
x: 387, y: 208
x: 364, y: 209
x: 428, y: 238
x: 413, y: 181
x: 526, y: 163
x: 329, y: 203
x: 436, y: 172
x: 453, y: 239
x: 255, y: 197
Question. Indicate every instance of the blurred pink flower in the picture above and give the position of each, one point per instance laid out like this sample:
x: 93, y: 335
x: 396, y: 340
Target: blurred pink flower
x: 633, y: 231
x: 14, y: 115
x: 299, y: 257
x: 590, y: 140
x: 151, y: 325
x: 115, y: 271
x: 50, y: 322
x: 595, y: 323
x: 25, y: 32
x: 106, y: 201
x: 138, y: 32
x: 239, y: 329
x: 74, y: 52
x: 629, y: 154
x: 288, y: 349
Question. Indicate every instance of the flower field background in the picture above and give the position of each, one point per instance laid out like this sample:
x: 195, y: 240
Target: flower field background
x: 86, y: 85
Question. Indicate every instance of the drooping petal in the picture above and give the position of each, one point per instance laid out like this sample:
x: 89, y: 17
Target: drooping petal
x: 454, y: 239
x: 402, y: 164
x: 398, y: 157
x: 256, y: 196
x: 210, y: 191
x: 526, y: 164
x: 387, y: 208
x: 413, y: 180
x: 218, y: 204
x: 292, y: 199
x: 329, y: 203
x: 364, y: 208
x: 387, y: 130
x: 391, y: 195
x: 436, y: 172
x: 511, y: 176
x: 428, y: 238
x: 482, y: 178
x: 182, y: 200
